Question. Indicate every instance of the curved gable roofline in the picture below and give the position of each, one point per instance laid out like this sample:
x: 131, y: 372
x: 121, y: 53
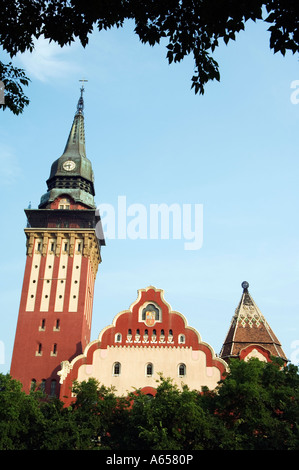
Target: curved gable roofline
x: 141, y: 292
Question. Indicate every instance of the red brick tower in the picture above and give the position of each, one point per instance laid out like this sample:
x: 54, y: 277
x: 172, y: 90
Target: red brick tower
x: 63, y: 254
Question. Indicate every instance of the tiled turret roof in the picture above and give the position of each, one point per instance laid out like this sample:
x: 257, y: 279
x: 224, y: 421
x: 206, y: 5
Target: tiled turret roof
x: 249, y: 328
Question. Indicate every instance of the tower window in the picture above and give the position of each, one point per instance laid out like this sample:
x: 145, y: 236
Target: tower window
x: 43, y: 385
x: 118, y: 338
x: 32, y: 385
x: 54, y: 350
x: 182, y: 370
x: 43, y: 325
x: 57, y: 325
x: 116, y: 368
x: 39, y: 350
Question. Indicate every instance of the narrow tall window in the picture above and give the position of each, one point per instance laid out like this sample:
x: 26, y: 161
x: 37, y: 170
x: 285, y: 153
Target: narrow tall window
x: 118, y: 338
x: 182, y: 370
x: 149, y: 369
x: 43, y: 385
x: 53, y: 388
x: 116, y: 368
x: 33, y: 385
x: 181, y: 339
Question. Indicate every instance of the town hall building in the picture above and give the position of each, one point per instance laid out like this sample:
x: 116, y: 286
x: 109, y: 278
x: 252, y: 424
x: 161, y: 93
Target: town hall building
x: 52, y: 345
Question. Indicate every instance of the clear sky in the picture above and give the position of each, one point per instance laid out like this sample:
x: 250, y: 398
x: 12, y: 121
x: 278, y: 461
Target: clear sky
x: 233, y: 152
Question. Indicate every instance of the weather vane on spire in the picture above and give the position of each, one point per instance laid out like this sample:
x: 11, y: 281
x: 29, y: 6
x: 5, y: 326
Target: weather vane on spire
x: 80, y: 105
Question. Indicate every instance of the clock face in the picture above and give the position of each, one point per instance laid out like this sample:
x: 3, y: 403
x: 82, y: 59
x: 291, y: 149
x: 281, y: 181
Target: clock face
x: 69, y: 165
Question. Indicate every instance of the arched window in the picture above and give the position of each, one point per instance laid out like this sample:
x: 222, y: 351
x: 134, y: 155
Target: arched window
x: 182, y: 370
x: 149, y: 369
x: 118, y: 338
x: 181, y: 339
x: 33, y: 385
x: 43, y: 385
x: 116, y: 368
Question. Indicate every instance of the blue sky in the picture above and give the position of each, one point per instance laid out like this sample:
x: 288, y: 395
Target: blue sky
x: 151, y: 140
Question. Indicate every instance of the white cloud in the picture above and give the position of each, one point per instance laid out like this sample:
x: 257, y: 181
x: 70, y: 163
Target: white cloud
x: 48, y: 61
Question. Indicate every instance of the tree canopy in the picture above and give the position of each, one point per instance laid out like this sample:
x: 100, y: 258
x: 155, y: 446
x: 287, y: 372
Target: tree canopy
x: 189, y: 26
x: 254, y: 408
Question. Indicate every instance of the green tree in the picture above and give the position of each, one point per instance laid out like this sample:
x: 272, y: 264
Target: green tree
x: 172, y: 420
x: 254, y: 408
x: 20, y: 416
x: 194, y: 27
x: 258, y: 404
x: 99, y: 416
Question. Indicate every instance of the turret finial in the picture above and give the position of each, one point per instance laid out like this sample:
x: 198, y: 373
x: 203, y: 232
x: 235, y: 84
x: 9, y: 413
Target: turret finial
x: 245, y: 286
x: 80, y: 105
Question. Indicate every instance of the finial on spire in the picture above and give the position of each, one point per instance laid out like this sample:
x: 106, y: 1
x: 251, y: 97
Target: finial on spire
x: 80, y: 105
x: 245, y: 286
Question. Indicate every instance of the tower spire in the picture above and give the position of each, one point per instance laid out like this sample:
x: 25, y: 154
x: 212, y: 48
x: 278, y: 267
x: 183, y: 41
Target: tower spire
x: 72, y: 173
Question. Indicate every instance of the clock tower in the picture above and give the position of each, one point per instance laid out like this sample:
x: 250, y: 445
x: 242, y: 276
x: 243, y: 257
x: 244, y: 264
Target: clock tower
x: 63, y: 252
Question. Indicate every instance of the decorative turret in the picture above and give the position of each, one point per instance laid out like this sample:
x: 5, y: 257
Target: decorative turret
x: 72, y: 173
x: 249, y: 334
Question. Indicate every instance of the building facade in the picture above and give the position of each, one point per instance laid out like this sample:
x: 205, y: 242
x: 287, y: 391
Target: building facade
x: 143, y: 342
x: 52, y: 343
